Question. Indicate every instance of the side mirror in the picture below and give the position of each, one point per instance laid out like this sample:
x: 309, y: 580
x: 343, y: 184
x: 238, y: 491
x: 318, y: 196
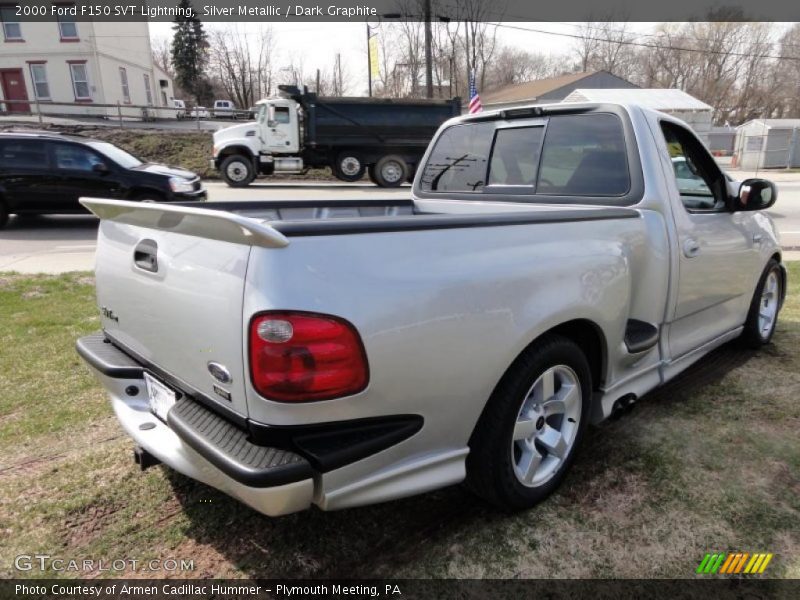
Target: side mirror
x: 755, y: 194
x: 100, y: 168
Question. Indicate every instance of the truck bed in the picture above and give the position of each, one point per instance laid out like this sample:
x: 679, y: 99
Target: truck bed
x: 332, y: 217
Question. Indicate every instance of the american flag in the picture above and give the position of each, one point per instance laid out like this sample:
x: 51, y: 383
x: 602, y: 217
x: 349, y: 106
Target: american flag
x: 475, y: 105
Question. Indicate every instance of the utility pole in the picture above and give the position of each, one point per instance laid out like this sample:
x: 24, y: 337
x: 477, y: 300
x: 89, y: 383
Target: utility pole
x: 428, y: 53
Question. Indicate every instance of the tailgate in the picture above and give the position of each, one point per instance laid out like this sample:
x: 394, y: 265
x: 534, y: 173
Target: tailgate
x: 170, y: 286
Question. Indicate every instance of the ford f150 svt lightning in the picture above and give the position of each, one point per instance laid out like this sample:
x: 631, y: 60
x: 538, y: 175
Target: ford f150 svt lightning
x: 548, y: 270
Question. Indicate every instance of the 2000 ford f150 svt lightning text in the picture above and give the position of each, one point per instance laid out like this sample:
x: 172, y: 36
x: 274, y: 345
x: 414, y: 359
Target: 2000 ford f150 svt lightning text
x: 548, y: 270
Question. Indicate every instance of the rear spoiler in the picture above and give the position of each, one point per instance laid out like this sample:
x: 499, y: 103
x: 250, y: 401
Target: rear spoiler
x: 199, y: 222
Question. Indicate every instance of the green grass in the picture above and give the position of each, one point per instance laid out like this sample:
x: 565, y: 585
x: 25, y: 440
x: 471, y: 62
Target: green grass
x: 697, y: 467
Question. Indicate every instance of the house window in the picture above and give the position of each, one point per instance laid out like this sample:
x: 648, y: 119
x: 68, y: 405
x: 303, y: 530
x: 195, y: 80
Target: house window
x: 12, y: 30
x: 66, y: 25
x: 126, y: 92
x: 147, y: 90
x: 41, y: 89
x: 80, y: 81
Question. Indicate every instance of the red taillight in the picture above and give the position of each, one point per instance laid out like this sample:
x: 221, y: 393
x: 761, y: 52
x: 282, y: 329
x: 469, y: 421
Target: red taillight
x: 298, y: 357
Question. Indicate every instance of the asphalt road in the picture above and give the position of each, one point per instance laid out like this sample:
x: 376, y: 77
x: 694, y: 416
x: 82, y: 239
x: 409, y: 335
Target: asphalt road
x: 55, y: 244
x: 59, y: 243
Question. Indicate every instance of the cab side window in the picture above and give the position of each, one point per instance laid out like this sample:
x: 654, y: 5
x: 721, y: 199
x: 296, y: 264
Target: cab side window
x: 282, y: 114
x: 70, y: 157
x: 700, y: 182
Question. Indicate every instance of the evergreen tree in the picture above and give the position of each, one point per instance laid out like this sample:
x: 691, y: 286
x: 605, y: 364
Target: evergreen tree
x: 189, y: 50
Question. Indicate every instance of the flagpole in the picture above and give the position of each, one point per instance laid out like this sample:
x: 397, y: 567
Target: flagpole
x: 369, y: 64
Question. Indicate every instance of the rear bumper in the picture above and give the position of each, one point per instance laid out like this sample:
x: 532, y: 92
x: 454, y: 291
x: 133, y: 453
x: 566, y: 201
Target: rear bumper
x: 198, y: 443
x: 275, y: 469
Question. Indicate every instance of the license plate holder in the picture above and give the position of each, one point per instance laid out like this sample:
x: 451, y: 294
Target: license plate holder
x: 161, y: 397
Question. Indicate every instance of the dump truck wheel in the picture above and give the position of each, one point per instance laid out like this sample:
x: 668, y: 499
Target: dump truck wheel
x: 237, y: 171
x: 391, y: 171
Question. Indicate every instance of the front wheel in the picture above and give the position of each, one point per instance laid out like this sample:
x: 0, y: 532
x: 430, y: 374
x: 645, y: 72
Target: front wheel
x: 764, y: 307
x: 3, y: 215
x: 391, y: 171
x: 237, y: 171
x: 526, y: 438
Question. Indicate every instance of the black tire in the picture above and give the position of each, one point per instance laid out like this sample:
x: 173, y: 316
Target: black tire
x: 391, y: 171
x: 757, y: 333
x: 3, y: 215
x: 237, y: 171
x: 349, y: 166
x: 371, y: 174
x: 149, y: 197
x: 491, y: 460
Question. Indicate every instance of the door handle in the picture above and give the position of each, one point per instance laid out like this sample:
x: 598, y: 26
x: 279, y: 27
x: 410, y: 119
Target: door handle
x: 691, y: 248
x: 757, y: 237
x: 145, y: 255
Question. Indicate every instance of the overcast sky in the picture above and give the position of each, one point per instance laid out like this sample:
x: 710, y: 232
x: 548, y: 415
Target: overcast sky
x: 316, y: 44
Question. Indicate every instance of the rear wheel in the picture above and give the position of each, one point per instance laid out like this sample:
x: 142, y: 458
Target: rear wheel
x: 391, y: 171
x: 237, y: 171
x: 3, y: 214
x: 371, y: 174
x: 349, y: 167
x: 764, y: 307
x: 526, y: 438
x: 412, y: 171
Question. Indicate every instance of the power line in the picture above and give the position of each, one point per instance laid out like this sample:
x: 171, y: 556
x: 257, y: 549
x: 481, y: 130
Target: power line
x: 658, y: 35
x: 501, y: 14
x: 642, y: 44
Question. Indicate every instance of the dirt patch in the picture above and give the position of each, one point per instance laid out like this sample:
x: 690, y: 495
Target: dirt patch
x: 84, y: 525
x: 6, y: 281
x: 34, y: 293
x: 207, y: 560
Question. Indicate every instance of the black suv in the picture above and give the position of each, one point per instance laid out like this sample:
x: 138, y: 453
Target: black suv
x: 47, y: 172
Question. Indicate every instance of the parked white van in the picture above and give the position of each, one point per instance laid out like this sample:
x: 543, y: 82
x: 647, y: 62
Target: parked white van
x: 180, y: 108
x: 224, y: 109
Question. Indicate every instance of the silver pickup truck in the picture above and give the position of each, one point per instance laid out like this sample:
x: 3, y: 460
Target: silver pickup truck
x: 551, y: 268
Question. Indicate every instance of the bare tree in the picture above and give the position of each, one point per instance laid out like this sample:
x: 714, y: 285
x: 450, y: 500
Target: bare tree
x: 606, y: 46
x: 787, y: 75
x: 514, y: 65
x: 480, y: 40
x: 241, y: 62
x: 161, y: 47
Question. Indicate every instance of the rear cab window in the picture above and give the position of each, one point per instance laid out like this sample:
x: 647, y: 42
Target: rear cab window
x: 550, y: 159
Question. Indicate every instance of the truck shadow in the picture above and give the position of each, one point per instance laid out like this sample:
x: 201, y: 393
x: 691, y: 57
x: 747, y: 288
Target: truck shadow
x: 382, y: 540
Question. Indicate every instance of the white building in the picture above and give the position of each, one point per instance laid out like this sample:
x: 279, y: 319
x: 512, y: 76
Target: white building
x: 697, y: 114
x: 88, y: 64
